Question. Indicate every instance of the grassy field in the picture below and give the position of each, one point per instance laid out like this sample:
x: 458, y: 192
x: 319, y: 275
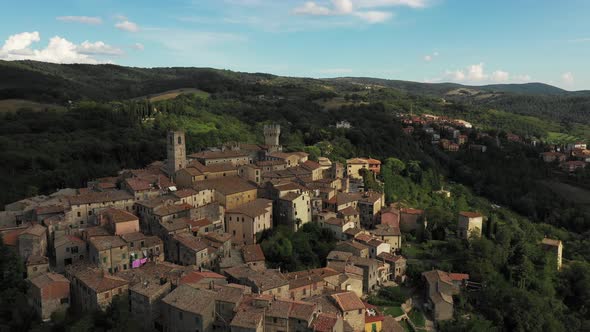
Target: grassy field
x: 170, y: 94
x: 13, y: 105
x: 337, y: 102
x: 393, y: 311
x: 417, y: 318
x: 561, y: 138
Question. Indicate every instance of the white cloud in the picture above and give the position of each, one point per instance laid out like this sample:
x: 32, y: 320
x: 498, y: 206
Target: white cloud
x: 430, y: 57
x: 80, y: 19
x: 457, y: 75
x: 343, y: 6
x: 567, y: 79
x: 98, y: 48
x: 138, y: 46
x: 391, y: 3
x: 20, y: 41
x: 363, y: 9
x: 521, y: 78
x: 476, y: 74
x: 374, y: 16
x: 59, y: 50
x: 127, y: 26
x: 312, y: 8
x: 500, y: 76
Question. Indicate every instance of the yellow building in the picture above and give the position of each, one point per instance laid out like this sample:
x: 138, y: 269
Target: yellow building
x: 354, y: 167
x: 231, y: 192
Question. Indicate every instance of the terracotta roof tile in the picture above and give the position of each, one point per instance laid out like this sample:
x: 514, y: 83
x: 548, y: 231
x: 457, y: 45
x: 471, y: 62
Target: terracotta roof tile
x: 253, y: 253
x: 348, y: 301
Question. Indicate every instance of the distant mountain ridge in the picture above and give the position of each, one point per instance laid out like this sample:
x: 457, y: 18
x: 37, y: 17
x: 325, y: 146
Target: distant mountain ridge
x: 49, y: 82
x: 439, y: 89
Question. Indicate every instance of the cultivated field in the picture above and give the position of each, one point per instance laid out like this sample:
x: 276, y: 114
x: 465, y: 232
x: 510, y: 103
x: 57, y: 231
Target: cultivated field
x: 13, y: 105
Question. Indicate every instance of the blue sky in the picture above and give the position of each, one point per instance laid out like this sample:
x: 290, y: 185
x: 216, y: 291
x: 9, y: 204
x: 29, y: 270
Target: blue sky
x: 465, y: 41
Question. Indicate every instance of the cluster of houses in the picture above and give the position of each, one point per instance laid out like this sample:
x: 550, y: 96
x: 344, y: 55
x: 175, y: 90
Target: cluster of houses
x: 450, y: 134
x: 180, y: 239
x: 570, y: 158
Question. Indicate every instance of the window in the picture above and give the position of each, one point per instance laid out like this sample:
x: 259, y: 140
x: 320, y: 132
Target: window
x: 104, y: 259
x: 179, y: 140
x: 35, y: 269
x: 74, y: 250
x: 106, y: 295
x: 360, y: 311
x: 79, y: 214
x: 90, y: 212
x: 180, y: 315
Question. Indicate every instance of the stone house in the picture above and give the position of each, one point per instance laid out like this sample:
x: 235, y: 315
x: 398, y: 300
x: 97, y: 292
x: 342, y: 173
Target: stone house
x: 189, y: 250
x: 354, y: 167
x: 470, y: 225
x: 352, y: 309
x: 338, y: 226
x: 410, y: 219
x: 188, y: 309
x: 369, y: 205
x: 440, y: 288
x: 397, y: 265
x: 145, y: 301
x: 143, y: 248
x: 231, y: 192
x: 233, y: 157
x: 374, y: 273
x: 246, y: 221
x: 293, y: 209
x: 32, y: 241
x: 49, y: 293
x: 356, y: 248
x: 86, y: 206
x: 317, y: 172
x: 109, y: 253
x: 375, y: 245
x: 36, y: 265
x: 119, y: 221
x: 253, y: 256
x: 68, y: 249
x: 140, y: 188
x: 389, y: 235
x: 350, y: 214
x: 251, y: 172
x: 93, y: 289
x: 269, y: 282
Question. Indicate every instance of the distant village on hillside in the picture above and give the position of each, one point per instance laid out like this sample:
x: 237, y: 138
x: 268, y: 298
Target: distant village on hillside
x: 180, y: 237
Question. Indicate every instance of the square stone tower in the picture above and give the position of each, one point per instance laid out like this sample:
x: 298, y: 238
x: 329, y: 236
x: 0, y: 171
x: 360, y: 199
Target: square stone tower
x: 176, y: 149
x: 271, y: 134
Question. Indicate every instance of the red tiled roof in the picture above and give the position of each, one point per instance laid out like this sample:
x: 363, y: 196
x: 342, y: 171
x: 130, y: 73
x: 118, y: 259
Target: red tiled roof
x: 348, y: 301
x: 253, y: 253
x: 196, y: 277
x: 458, y: 276
x: 118, y: 215
x: 470, y: 214
x: 324, y: 322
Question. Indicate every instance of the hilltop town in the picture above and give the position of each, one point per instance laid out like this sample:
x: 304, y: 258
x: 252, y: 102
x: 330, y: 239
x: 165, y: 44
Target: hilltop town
x: 181, y: 239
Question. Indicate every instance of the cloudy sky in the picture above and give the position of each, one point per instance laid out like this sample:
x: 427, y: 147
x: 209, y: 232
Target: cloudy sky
x: 465, y: 41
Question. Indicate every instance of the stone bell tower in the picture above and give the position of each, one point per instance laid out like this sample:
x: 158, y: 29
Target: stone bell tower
x: 176, y: 149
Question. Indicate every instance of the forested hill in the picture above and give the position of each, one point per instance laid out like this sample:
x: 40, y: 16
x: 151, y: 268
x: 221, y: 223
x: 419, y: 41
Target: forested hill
x: 58, y: 84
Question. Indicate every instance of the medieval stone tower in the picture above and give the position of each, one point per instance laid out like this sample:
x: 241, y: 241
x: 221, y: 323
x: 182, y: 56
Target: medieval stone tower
x: 271, y: 134
x: 176, y: 149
